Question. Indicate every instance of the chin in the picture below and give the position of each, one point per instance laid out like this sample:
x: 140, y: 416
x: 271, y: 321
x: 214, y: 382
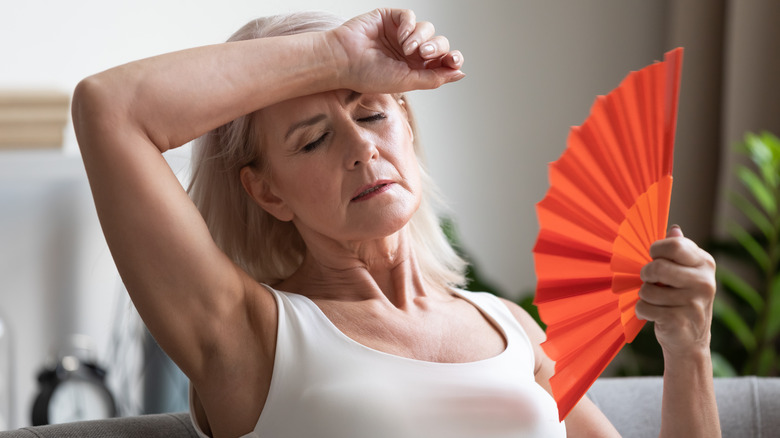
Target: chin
x: 385, y: 223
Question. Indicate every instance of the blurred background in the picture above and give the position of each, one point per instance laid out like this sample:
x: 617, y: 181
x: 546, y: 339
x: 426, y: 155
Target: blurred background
x: 533, y: 70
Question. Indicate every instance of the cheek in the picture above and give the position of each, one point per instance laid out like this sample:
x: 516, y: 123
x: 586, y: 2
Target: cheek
x: 307, y: 185
x: 399, y: 144
x: 308, y: 189
x: 406, y: 160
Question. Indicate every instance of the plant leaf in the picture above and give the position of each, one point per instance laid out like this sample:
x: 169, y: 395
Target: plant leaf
x: 773, y: 143
x: 766, y: 361
x: 755, y: 215
x: 741, y: 288
x: 722, y: 367
x: 735, y: 323
x: 773, y: 323
x: 762, y: 155
x: 756, y: 186
x: 750, y: 244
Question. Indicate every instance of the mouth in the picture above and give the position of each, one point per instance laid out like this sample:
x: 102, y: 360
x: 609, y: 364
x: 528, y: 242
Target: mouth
x: 371, y: 191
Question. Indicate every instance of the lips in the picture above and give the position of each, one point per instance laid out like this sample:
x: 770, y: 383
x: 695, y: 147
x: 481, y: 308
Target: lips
x: 371, y: 190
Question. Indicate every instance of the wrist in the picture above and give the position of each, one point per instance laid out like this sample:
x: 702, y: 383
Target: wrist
x: 332, y: 60
x: 310, y: 63
x: 693, y: 360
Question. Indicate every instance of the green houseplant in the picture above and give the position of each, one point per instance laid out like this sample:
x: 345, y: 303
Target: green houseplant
x: 746, y: 332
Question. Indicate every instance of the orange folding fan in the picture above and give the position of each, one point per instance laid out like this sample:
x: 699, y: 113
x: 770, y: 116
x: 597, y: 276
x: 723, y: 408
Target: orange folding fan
x: 608, y: 201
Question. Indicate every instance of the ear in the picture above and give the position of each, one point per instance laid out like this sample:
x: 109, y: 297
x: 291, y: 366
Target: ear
x: 401, y: 99
x: 260, y: 190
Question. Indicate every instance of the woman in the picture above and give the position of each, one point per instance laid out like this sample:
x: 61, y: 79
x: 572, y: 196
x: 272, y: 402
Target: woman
x: 310, y: 292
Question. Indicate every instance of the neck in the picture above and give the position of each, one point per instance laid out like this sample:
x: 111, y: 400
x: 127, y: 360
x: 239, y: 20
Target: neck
x: 384, y: 269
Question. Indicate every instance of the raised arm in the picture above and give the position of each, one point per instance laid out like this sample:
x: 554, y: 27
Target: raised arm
x: 181, y: 283
x: 678, y: 296
x: 184, y: 287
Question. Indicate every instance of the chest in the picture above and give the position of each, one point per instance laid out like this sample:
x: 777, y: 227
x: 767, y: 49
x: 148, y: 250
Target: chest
x: 348, y: 379
x: 451, y: 333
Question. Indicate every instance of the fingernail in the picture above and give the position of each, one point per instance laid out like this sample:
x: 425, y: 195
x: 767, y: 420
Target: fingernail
x: 426, y: 49
x: 455, y: 59
x: 409, y: 49
x: 675, y: 230
x: 404, y: 36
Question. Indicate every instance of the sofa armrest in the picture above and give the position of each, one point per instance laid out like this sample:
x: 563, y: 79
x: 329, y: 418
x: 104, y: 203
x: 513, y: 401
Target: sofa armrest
x: 149, y: 426
x: 747, y: 406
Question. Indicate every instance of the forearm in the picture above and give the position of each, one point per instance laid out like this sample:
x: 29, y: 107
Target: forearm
x: 689, y: 407
x: 176, y: 97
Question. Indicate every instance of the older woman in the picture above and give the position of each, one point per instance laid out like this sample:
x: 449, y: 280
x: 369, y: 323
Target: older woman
x: 308, y: 290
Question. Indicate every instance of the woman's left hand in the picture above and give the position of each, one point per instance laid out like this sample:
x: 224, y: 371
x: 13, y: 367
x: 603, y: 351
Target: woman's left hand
x: 678, y: 294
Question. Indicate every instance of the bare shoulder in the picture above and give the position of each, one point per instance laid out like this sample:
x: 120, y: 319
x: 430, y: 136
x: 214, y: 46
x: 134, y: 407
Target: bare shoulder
x: 262, y: 310
x: 532, y: 329
x: 585, y: 420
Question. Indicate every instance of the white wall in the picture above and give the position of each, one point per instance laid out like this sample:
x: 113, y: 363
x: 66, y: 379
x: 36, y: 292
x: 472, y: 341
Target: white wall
x: 533, y: 67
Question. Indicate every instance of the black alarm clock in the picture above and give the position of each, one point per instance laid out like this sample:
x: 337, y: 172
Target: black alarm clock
x: 72, y: 389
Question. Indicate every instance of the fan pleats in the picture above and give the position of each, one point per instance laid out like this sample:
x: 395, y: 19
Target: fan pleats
x: 608, y: 201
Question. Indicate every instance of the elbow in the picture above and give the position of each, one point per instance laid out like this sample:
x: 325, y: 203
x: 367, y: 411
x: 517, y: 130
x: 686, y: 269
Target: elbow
x: 103, y: 111
x: 85, y: 107
x: 90, y: 107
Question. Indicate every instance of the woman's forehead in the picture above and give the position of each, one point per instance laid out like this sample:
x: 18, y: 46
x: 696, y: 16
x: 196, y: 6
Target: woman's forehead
x: 342, y: 97
x: 280, y: 116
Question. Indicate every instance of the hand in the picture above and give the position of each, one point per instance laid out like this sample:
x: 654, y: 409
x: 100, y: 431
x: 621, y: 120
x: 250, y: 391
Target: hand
x: 678, y: 294
x: 388, y: 51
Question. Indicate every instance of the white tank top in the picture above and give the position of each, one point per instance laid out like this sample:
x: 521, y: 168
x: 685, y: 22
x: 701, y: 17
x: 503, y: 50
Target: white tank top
x: 325, y: 384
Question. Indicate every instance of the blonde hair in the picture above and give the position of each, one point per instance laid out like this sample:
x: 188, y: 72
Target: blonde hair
x: 271, y: 250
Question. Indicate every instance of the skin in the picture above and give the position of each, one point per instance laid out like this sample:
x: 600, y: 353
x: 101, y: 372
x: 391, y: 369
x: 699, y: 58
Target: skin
x: 218, y: 324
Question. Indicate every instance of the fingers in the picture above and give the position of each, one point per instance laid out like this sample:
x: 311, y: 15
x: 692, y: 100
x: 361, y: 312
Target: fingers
x: 665, y: 296
x: 678, y: 293
x: 680, y: 250
x: 679, y: 264
x: 452, y: 60
x: 663, y: 272
x: 674, y: 231
x: 406, y: 21
x: 687, y: 323
x: 419, y: 38
x: 679, y: 327
x: 682, y: 317
x: 435, y: 47
x: 387, y: 50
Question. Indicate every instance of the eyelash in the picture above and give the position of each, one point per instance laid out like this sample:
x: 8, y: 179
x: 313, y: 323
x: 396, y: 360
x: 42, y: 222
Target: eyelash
x: 309, y: 147
x: 374, y: 118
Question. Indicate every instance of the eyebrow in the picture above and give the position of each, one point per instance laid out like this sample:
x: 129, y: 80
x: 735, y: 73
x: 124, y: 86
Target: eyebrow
x: 303, y: 124
x: 353, y: 95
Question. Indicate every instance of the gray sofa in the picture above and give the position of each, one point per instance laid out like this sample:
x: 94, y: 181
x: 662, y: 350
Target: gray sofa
x: 748, y: 407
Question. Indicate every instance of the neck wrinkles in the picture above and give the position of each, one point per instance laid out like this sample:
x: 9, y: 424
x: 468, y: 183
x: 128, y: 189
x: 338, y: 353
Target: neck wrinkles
x: 384, y: 269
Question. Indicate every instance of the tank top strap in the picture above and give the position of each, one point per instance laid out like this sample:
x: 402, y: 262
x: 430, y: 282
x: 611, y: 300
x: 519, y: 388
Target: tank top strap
x: 301, y: 329
x: 320, y: 374
x: 301, y: 322
x: 518, y: 342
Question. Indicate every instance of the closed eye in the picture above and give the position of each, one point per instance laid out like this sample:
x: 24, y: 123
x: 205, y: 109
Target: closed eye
x: 373, y: 118
x: 309, y: 147
x: 313, y: 145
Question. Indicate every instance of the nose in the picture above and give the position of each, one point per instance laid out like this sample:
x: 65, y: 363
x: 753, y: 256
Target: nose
x: 360, y: 147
